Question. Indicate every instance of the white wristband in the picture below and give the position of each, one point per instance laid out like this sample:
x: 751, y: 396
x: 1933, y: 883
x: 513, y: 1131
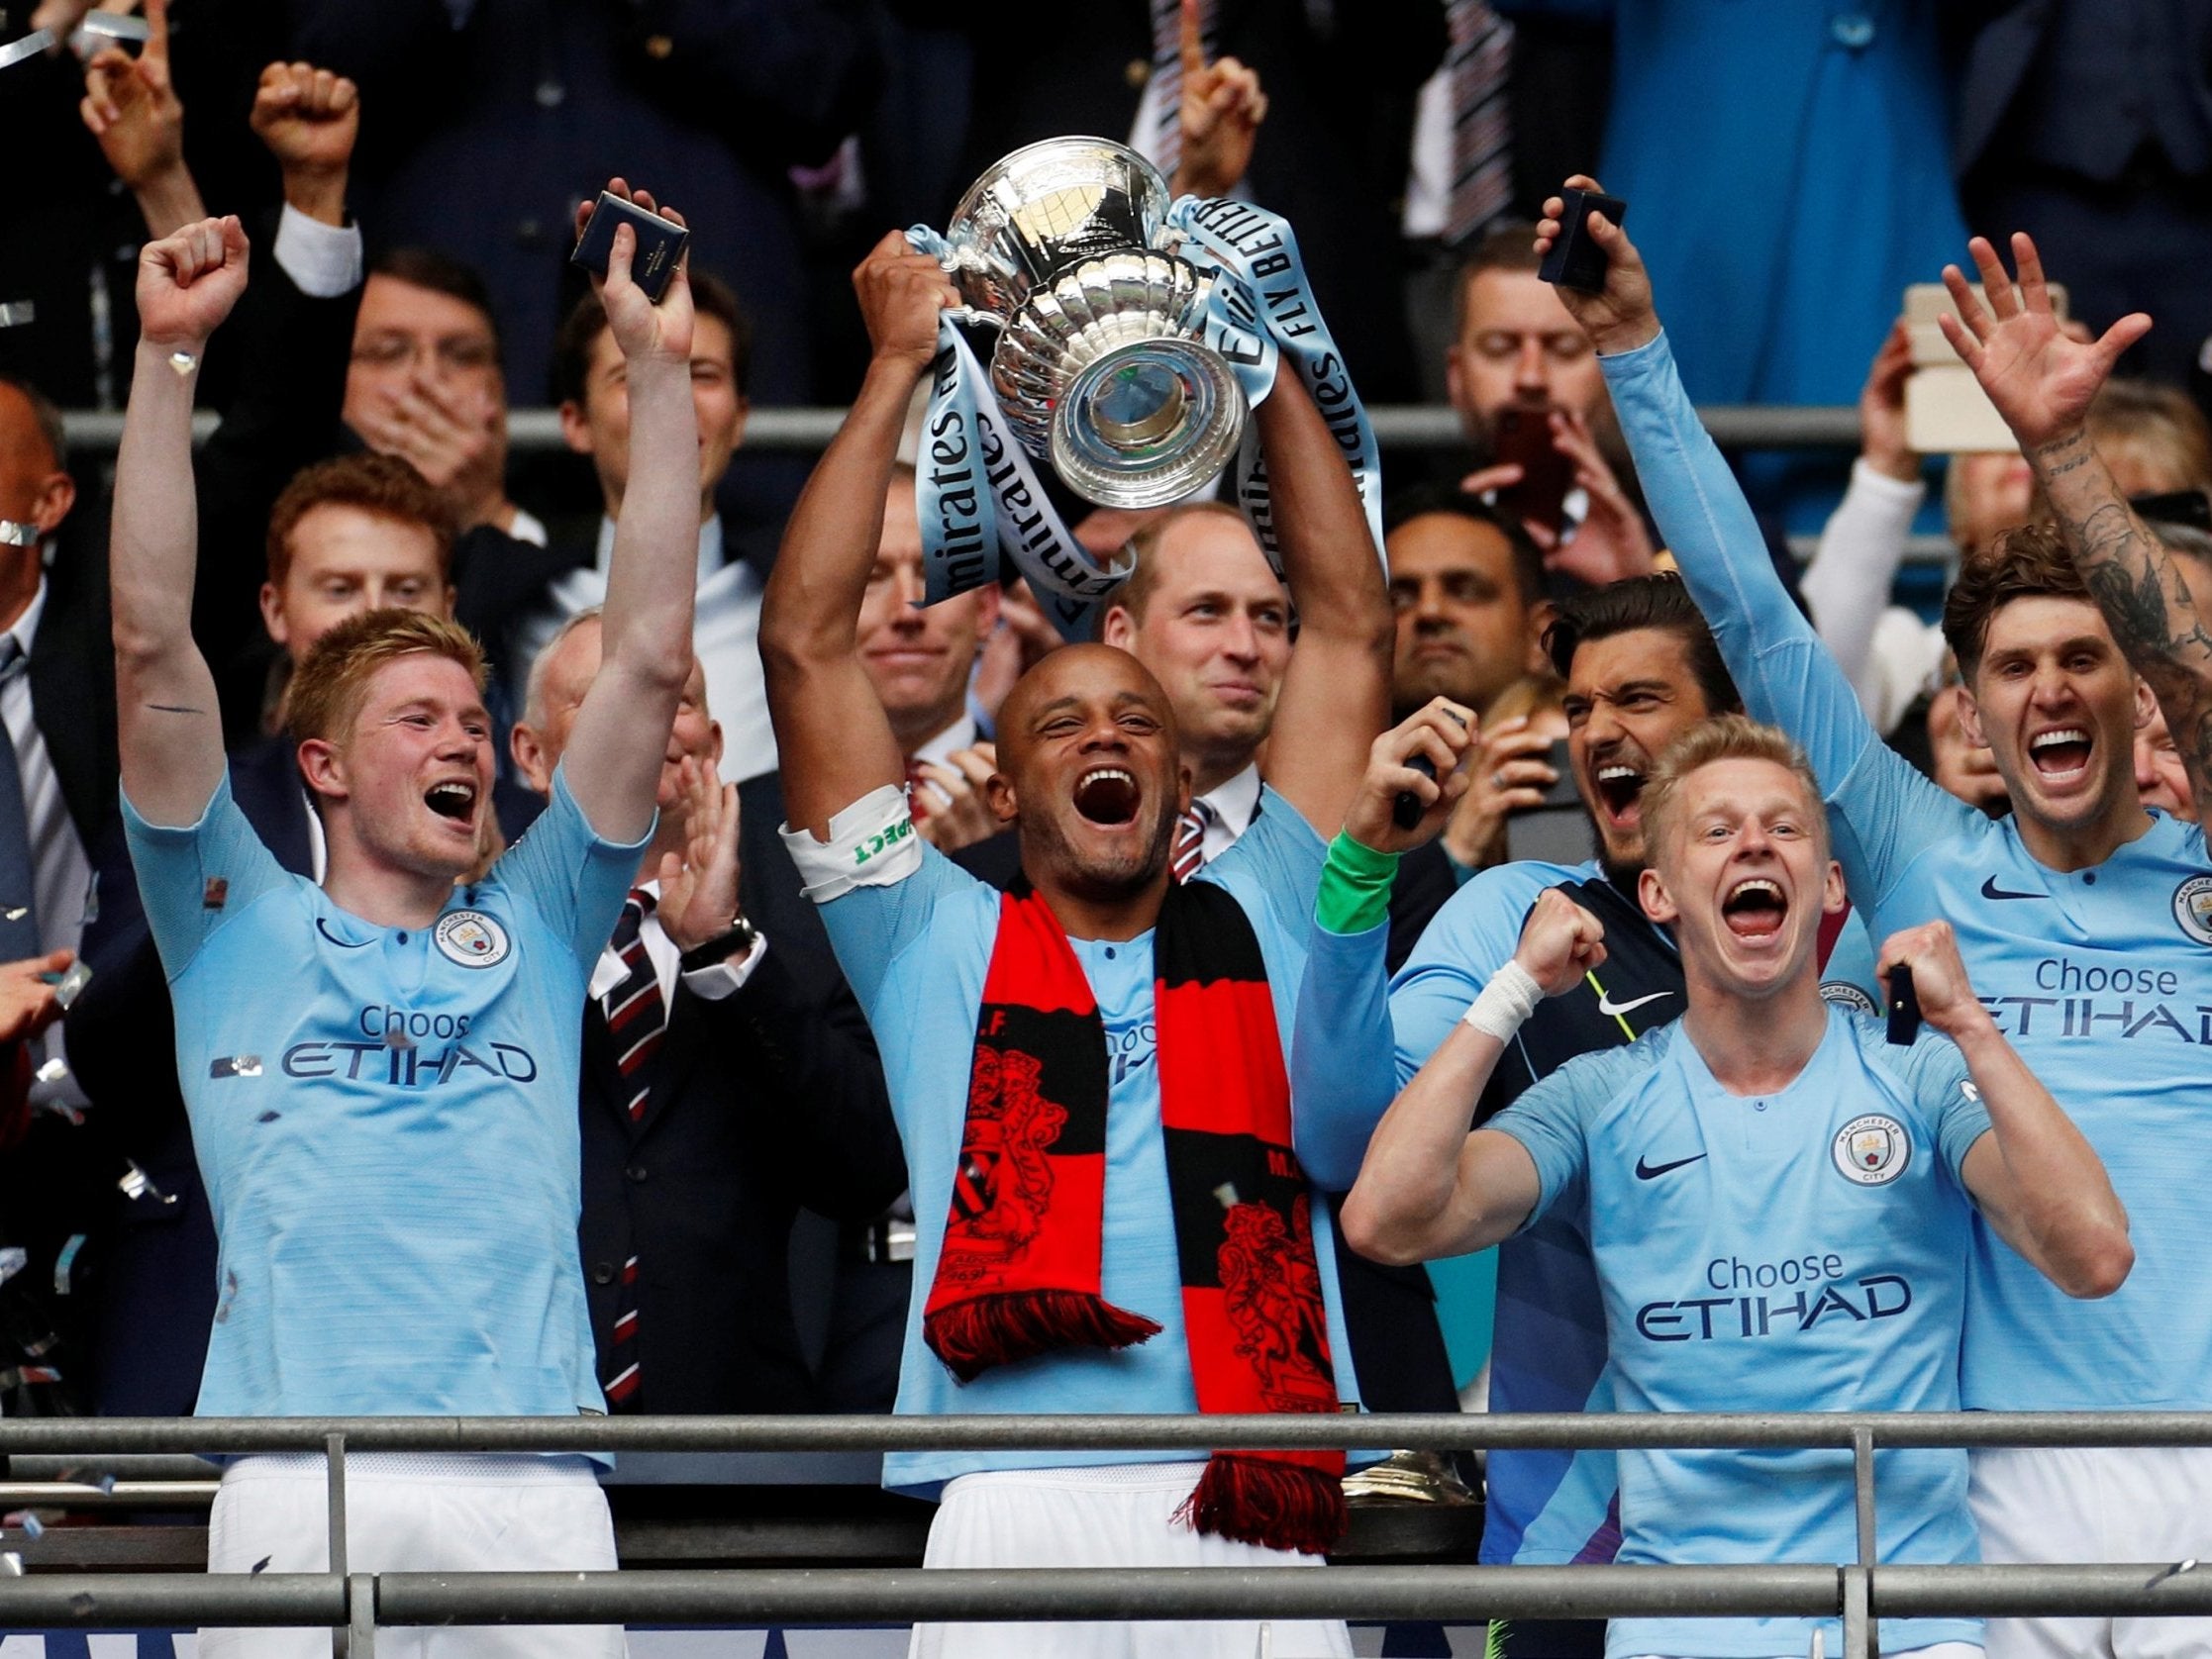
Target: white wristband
x: 1510, y: 997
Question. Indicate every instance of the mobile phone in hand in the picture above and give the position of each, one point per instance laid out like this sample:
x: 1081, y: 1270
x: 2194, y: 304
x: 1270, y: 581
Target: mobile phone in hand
x: 660, y: 243
x: 1524, y: 440
x: 1904, y: 1007
x: 1576, y: 261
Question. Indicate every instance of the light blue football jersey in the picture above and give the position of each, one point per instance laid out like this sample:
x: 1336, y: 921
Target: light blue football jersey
x: 2101, y: 978
x: 386, y: 1122
x: 1802, y: 1251
x: 916, y: 952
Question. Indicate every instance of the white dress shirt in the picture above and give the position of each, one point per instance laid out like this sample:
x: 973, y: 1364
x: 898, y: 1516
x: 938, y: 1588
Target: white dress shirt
x: 1234, y: 804
x: 725, y: 632
x: 322, y: 260
x: 713, y: 983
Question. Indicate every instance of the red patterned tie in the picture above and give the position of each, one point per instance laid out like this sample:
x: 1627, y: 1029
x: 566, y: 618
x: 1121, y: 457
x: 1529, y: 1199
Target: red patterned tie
x: 1188, y: 855
x: 621, y: 1386
x: 636, y: 1019
x: 635, y: 1014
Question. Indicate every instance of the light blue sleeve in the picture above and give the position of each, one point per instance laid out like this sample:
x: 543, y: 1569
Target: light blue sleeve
x: 1882, y: 811
x: 1274, y: 868
x: 1469, y: 940
x: 1947, y: 1094
x: 1343, y: 1066
x: 1550, y: 1118
x: 871, y: 927
x: 195, y: 877
x: 575, y: 881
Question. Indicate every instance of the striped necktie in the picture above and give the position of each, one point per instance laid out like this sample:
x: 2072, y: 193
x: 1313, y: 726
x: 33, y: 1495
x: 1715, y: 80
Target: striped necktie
x: 1167, y: 80
x: 1188, y: 856
x: 19, y: 863
x: 1478, y: 61
x: 620, y: 1368
x: 635, y: 1014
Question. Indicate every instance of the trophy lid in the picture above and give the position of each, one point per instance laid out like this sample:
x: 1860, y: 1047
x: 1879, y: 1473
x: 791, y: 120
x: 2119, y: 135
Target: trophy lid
x: 1047, y: 207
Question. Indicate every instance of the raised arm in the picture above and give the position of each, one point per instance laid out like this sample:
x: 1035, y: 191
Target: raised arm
x: 1883, y: 809
x: 614, y: 756
x: 830, y: 733
x: 1849, y: 582
x: 1335, y: 694
x: 1344, y: 1063
x: 170, y: 726
x: 1429, y: 1187
x: 2042, y: 384
x: 2033, y: 1177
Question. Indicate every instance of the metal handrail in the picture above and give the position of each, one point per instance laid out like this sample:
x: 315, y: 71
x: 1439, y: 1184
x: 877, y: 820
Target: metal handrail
x: 91, y: 1437
x: 1398, y: 427
x: 353, y: 1604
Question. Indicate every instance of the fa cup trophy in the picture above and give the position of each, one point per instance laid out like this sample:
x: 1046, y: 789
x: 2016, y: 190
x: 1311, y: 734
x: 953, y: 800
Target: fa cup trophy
x: 1099, y: 366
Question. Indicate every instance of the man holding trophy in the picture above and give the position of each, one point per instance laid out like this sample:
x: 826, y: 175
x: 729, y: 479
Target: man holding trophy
x: 1087, y: 1071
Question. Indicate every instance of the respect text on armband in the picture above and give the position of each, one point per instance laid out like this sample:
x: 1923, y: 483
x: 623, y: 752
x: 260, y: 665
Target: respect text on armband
x: 882, y: 842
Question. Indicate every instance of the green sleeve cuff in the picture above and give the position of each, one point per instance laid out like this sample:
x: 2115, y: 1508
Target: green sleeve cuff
x: 1355, y: 884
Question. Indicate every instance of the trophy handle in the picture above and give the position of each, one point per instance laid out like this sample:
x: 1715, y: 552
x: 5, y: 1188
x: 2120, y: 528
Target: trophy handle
x: 973, y: 317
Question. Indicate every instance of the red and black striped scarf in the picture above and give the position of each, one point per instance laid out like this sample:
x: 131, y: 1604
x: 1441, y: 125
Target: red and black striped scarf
x: 1019, y: 1274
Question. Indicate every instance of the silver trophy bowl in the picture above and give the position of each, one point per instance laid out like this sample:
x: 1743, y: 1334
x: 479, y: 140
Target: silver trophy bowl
x: 1101, y: 366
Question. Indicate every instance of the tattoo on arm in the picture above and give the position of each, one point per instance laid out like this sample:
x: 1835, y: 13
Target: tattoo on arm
x: 2150, y: 612
x: 175, y: 708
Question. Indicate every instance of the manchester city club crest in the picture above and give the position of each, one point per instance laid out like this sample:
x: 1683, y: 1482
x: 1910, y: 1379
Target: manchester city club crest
x: 2193, y: 908
x: 1871, y: 1151
x: 471, y: 938
x: 1844, y: 994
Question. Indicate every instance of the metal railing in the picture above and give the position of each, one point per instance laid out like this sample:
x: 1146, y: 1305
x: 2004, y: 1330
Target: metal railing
x: 354, y: 1605
x: 1398, y: 427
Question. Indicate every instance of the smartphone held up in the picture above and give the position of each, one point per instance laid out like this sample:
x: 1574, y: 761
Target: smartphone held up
x: 660, y: 243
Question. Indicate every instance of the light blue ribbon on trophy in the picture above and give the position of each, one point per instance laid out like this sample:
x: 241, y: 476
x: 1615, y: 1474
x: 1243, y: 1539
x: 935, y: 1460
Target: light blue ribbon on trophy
x: 978, y: 495
x: 1262, y: 305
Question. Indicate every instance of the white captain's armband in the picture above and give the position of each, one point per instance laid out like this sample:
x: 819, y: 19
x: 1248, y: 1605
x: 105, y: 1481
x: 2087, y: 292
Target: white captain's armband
x: 871, y: 844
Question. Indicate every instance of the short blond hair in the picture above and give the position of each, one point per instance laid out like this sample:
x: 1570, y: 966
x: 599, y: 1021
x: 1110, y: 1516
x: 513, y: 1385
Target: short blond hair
x: 1709, y: 741
x: 327, y: 688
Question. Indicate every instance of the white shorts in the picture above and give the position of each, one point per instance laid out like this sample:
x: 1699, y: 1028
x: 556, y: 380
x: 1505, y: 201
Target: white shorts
x: 410, y: 1513
x: 1116, y: 1516
x: 2094, y: 1505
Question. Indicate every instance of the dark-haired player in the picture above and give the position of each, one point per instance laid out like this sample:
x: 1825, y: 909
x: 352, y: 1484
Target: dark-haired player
x: 2085, y: 920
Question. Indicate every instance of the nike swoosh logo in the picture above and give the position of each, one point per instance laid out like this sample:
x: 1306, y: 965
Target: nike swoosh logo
x: 1651, y: 1172
x: 1613, y: 1010
x: 1990, y: 890
x: 344, y: 944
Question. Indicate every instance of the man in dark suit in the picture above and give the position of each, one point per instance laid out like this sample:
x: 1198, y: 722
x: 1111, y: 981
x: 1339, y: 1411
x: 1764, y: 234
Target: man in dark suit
x: 348, y: 536
x: 2089, y: 124
x: 729, y: 1078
